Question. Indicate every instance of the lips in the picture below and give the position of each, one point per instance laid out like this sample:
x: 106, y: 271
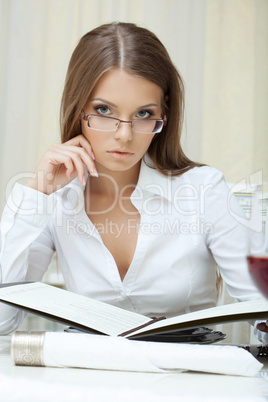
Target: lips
x: 120, y: 154
x: 121, y: 151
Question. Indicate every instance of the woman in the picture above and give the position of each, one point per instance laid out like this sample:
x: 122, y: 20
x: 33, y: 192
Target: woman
x: 134, y: 222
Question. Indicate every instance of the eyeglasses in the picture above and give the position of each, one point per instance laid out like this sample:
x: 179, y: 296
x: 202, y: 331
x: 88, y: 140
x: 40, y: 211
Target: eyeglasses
x: 104, y: 123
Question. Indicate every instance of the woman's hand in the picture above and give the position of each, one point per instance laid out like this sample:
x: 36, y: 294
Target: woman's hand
x: 61, y: 163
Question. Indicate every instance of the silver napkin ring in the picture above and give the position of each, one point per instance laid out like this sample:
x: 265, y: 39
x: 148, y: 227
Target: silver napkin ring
x: 27, y: 348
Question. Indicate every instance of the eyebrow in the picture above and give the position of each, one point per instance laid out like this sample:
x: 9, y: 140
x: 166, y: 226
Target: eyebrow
x: 113, y: 105
x: 104, y: 101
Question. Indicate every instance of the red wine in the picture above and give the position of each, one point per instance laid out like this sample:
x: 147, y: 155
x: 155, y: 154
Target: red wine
x: 258, y: 269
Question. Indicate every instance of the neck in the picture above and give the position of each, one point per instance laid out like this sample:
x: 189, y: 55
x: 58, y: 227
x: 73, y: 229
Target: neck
x: 111, y: 183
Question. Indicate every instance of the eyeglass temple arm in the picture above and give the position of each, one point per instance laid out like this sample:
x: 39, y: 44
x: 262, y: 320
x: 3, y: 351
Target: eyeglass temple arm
x: 83, y: 115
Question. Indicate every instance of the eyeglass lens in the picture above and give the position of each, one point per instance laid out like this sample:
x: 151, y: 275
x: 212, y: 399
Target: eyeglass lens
x: 106, y: 124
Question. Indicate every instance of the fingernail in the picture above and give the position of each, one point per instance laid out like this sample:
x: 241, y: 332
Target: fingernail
x: 94, y: 173
x: 84, y: 180
x: 92, y: 155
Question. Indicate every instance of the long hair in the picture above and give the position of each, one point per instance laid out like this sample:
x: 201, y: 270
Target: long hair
x: 137, y: 51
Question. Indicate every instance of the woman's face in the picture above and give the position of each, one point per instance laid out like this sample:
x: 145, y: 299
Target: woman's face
x: 126, y: 97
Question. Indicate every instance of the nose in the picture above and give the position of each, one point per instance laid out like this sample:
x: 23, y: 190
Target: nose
x: 124, y: 132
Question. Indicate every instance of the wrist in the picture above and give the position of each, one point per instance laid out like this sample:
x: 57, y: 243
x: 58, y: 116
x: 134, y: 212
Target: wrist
x: 40, y: 182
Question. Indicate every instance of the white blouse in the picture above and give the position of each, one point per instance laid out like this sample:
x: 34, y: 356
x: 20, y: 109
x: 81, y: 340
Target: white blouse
x: 189, y: 224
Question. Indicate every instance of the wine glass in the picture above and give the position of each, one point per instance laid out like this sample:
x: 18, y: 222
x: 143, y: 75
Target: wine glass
x: 258, y: 269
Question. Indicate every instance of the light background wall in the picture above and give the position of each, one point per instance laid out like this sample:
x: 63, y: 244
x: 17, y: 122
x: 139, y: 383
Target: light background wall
x: 219, y: 46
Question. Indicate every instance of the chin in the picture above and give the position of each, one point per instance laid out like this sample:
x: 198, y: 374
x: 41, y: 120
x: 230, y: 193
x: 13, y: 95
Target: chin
x: 119, y: 166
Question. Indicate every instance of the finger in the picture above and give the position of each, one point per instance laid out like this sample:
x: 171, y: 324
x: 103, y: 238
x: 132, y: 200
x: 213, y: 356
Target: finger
x: 59, y: 158
x: 80, y: 140
x: 87, y: 160
x: 69, y: 171
x: 81, y: 145
x: 62, y: 160
x: 77, y: 163
x: 80, y: 158
x: 71, y: 160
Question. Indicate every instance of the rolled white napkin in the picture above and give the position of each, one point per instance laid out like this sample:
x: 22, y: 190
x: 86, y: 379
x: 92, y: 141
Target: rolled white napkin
x: 57, y: 349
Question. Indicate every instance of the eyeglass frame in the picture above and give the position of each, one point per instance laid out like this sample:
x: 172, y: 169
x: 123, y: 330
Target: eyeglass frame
x: 86, y: 118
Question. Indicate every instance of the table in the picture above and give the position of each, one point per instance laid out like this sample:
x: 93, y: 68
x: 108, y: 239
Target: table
x: 38, y: 384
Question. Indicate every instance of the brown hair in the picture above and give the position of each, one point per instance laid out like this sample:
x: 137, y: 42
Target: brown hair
x: 138, y: 51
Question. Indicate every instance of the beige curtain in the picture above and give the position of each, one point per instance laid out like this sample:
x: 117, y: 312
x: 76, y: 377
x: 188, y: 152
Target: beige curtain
x: 235, y: 88
x: 219, y: 46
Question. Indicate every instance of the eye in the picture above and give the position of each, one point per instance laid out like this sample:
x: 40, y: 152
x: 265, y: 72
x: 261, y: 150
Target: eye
x: 102, y: 109
x: 145, y: 114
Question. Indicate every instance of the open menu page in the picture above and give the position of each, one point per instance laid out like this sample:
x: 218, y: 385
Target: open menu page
x: 72, y: 307
x: 243, y: 311
x: 86, y: 313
